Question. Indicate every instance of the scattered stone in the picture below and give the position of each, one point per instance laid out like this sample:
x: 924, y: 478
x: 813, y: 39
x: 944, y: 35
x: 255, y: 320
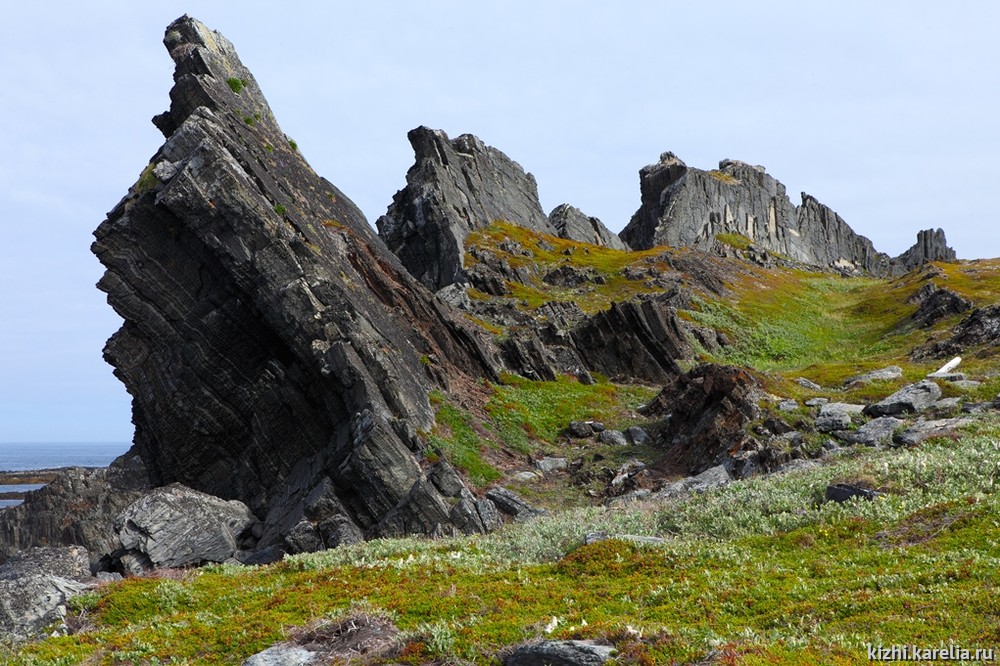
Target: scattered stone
x: 626, y: 472
x: 524, y: 477
x: 966, y: 384
x: 844, y: 492
x: 845, y: 407
x: 550, y: 465
x: 921, y: 430
x: 597, y: 426
x: 710, y: 478
x: 580, y: 429
x: 788, y: 405
x: 874, y: 433
x: 885, y: 374
x: 511, y: 503
x: 806, y: 384
x: 561, y: 653
x: 283, y: 655
x: 613, y: 438
x: 637, y: 435
x: 833, y: 420
x: 175, y: 526
x: 908, y: 400
x: 817, y: 402
x: 946, y: 404
x: 595, y: 537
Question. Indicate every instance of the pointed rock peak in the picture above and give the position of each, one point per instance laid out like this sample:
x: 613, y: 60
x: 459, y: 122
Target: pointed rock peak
x: 572, y: 223
x: 931, y: 245
x: 454, y: 187
x: 669, y: 159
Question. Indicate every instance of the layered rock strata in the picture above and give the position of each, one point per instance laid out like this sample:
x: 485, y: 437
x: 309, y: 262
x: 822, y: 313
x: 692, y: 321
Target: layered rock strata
x: 266, y: 325
x: 686, y: 207
x: 456, y: 186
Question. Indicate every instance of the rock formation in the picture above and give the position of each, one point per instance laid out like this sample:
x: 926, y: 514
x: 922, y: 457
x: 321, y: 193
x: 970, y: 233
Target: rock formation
x: 457, y: 186
x: 684, y: 206
x: 571, y: 222
x: 35, y: 585
x: 266, y: 325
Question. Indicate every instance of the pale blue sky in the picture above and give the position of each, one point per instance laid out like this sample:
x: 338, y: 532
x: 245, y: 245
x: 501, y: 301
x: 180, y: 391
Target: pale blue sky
x: 886, y: 111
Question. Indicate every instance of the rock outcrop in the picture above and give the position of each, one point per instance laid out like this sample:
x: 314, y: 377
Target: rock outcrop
x: 687, y: 207
x: 35, y: 585
x: 572, y: 223
x: 76, y: 509
x: 265, y: 323
x: 454, y: 187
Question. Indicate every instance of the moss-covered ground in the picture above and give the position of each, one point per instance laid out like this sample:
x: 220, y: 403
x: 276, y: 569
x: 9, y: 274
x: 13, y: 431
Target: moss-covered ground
x: 756, y: 572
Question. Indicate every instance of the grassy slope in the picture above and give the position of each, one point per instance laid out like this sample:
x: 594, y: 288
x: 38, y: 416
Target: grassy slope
x: 756, y: 572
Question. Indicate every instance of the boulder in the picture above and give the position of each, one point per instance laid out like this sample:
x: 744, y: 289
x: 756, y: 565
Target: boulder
x: 176, y: 526
x: 283, y: 655
x: 876, y: 432
x: 921, y: 430
x: 710, y: 478
x: 706, y: 411
x: 571, y: 223
x: 512, y: 504
x: 549, y: 465
x: 908, y: 400
x: 844, y: 492
x: 35, y: 586
x: 561, y: 653
x: 833, y: 420
x: 580, y: 429
x: 881, y: 375
x: 454, y: 187
x: 637, y: 435
x: 936, y: 304
x: 264, y: 321
x: 613, y: 438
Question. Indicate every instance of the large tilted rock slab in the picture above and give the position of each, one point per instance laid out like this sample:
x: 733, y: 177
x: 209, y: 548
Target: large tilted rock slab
x: 265, y: 322
x: 572, y: 223
x: 35, y: 585
x: 176, y: 526
x: 907, y: 400
x: 687, y: 207
x: 561, y: 653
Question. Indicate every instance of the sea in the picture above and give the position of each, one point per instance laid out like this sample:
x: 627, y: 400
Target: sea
x: 24, y: 456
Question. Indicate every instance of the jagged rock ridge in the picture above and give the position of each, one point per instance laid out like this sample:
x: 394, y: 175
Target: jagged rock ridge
x: 459, y: 185
x: 687, y: 207
x: 267, y: 329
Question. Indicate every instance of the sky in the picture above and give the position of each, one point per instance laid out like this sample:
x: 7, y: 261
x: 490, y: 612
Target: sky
x: 885, y: 111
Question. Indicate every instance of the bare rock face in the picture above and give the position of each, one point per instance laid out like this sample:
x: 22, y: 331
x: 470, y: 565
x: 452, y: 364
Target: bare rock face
x: 454, y: 187
x: 265, y: 322
x: 572, y: 223
x: 684, y: 206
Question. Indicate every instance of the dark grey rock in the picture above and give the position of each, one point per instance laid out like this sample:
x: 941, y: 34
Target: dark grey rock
x: 580, y: 429
x: 597, y: 426
x: 637, y: 435
x: 77, y: 508
x: 876, y: 432
x: 807, y: 384
x: 816, y: 402
x: 488, y: 514
x: 561, y: 653
x: 265, y: 321
x: 340, y: 530
x: 788, y: 405
x: 936, y: 304
x: 844, y: 492
x: 931, y: 245
x: 176, y: 526
x: 571, y: 223
x: 947, y: 404
x: 883, y: 374
x: 512, y: 504
x: 833, y: 420
x: 980, y: 327
x: 454, y: 187
x: 613, y: 438
x: 908, y: 400
x: 304, y: 537
x: 917, y: 432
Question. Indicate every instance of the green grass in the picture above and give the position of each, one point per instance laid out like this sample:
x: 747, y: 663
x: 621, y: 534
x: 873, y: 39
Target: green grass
x: 236, y: 85
x: 147, y: 179
x: 761, y: 570
x: 456, y: 438
x: 737, y: 241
